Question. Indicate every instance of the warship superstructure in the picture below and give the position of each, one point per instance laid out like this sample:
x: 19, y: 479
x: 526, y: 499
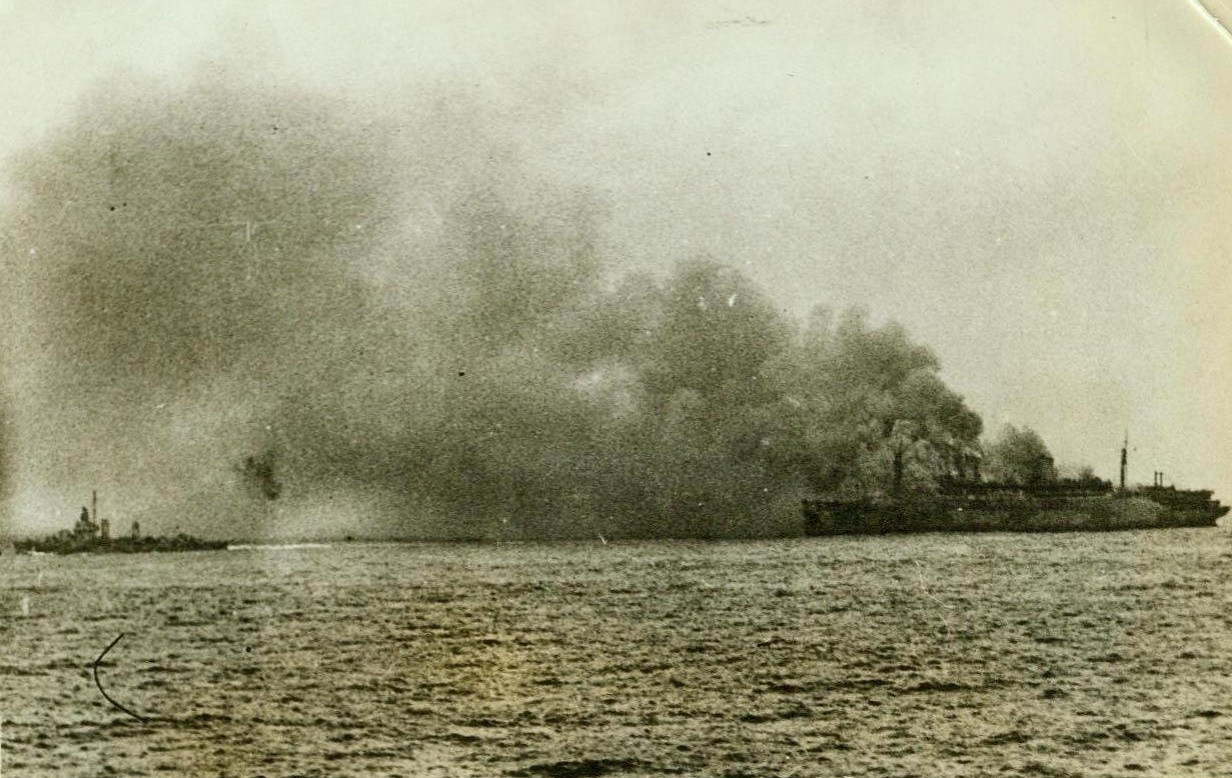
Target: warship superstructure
x: 92, y: 535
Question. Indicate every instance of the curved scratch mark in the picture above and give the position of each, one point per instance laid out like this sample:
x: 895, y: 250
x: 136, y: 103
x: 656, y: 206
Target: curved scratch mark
x: 100, y: 685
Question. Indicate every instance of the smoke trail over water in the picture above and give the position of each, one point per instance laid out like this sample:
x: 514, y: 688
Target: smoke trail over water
x: 246, y: 310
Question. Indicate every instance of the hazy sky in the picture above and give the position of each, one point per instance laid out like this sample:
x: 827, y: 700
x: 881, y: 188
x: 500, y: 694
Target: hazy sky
x: 1038, y: 191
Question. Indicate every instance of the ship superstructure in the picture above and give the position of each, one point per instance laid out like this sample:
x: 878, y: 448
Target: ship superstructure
x: 960, y: 505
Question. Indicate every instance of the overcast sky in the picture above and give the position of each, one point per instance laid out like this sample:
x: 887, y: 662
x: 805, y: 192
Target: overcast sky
x: 1039, y: 191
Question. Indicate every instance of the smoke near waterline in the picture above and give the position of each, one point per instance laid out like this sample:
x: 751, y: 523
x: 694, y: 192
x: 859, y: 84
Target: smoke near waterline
x: 245, y: 309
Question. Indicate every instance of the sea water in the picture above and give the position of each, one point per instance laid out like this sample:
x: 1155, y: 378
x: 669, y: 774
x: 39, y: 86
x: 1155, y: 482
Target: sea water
x: 930, y: 655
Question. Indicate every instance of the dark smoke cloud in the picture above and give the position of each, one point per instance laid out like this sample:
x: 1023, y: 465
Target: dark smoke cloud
x: 268, y: 308
x: 189, y: 254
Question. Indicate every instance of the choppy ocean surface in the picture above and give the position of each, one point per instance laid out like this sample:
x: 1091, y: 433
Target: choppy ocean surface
x: 964, y: 655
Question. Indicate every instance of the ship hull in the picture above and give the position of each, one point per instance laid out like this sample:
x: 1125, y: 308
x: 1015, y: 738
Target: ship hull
x: 945, y: 513
x: 147, y: 545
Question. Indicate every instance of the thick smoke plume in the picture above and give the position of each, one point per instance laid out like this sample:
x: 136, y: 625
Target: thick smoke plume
x: 1019, y: 456
x: 247, y: 312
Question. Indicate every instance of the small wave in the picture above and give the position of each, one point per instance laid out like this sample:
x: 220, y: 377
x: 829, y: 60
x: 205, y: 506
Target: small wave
x: 585, y: 768
x: 275, y: 546
x: 20, y: 671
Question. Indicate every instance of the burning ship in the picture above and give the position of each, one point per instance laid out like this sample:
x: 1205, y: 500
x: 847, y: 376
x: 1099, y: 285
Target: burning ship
x: 1068, y: 505
x: 89, y: 535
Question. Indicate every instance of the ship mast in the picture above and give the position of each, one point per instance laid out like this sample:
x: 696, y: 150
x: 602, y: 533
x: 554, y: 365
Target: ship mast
x: 1124, y: 459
